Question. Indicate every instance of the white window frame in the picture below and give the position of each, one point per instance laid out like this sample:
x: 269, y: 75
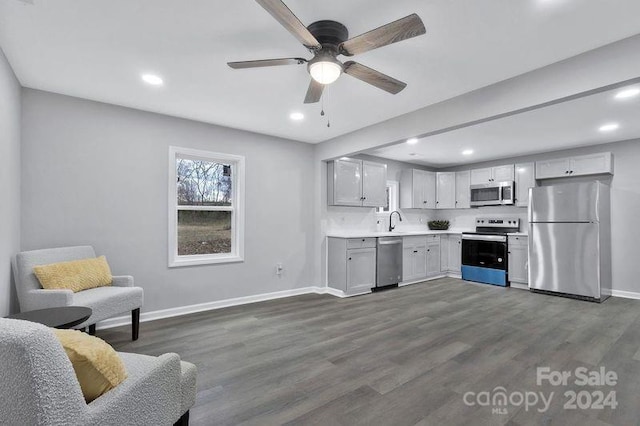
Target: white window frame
x: 394, y: 198
x: 237, y: 163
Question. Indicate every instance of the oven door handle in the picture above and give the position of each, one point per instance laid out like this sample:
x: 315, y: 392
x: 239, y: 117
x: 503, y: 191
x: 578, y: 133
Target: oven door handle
x: 499, y: 238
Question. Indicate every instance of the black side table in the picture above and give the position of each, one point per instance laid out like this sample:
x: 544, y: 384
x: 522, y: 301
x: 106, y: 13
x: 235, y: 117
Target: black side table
x: 62, y: 317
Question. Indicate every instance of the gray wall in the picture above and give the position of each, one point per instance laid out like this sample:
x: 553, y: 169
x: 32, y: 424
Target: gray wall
x: 9, y: 182
x: 97, y: 174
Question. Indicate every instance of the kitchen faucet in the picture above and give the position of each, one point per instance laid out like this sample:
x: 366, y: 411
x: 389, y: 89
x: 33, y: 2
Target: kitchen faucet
x: 391, y: 228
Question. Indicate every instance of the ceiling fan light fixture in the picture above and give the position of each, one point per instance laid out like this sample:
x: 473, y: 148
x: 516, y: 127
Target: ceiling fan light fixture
x: 325, y: 70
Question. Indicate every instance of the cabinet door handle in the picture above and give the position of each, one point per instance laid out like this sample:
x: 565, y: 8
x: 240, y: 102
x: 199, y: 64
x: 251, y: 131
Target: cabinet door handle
x: 571, y: 172
x: 415, y: 251
x: 349, y: 258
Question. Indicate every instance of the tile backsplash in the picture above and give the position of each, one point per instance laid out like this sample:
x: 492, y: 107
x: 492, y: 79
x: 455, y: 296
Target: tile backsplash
x: 367, y: 219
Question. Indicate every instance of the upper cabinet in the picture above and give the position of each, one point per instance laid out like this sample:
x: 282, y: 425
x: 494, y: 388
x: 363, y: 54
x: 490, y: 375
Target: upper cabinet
x: 446, y: 190
x: 374, y: 184
x: 492, y: 174
x: 417, y: 189
x: 357, y: 183
x: 463, y: 192
x: 592, y: 164
x: 525, y: 179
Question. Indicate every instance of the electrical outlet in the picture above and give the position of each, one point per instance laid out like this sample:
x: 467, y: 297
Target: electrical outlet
x: 279, y: 269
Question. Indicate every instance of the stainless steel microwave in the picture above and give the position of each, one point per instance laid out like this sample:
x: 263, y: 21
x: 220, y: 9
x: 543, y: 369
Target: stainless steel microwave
x: 493, y: 194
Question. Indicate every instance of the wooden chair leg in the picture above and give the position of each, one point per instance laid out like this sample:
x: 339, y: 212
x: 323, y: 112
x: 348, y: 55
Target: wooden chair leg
x: 183, y: 421
x: 135, y: 323
x: 92, y: 329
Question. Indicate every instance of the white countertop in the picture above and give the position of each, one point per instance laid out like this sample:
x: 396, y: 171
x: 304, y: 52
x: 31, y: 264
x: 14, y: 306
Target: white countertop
x: 375, y: 234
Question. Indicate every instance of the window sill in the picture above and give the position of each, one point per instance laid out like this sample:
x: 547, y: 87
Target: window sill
x: 204, y: 260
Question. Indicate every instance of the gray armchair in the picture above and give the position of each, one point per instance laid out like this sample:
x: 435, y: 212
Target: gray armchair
x: 39, y: 385
x: 106, y: 302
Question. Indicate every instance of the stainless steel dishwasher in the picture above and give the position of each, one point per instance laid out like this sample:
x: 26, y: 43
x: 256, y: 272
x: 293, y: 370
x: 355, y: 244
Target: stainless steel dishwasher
x: 389, y: 263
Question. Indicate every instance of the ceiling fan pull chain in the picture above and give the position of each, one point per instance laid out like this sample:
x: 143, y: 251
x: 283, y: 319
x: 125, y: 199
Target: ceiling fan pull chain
x: 328, y: 100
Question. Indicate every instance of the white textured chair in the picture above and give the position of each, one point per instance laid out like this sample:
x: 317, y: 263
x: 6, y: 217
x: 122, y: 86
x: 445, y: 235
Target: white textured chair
x: 105, y: 302
x: 39, y: 385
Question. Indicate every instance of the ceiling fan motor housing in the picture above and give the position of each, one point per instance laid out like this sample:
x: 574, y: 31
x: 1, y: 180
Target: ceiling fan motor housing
x: 329, y: 32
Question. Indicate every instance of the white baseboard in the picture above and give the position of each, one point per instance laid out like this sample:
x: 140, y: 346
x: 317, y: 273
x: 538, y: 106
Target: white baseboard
x: 218, y: 304
x: 625, y: 294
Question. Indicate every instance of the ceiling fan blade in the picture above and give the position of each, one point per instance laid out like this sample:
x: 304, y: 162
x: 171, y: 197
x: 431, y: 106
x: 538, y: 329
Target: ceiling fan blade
x: 266, y: 63
x: 314, y: 93
x: 373, y: 77
x: 402, y: 29
x: 287, y: 19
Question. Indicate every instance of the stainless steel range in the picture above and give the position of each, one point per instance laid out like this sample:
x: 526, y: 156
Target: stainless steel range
x: 484, y: 252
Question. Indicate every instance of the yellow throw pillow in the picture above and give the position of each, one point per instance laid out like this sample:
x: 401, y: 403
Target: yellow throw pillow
x: 76, y: 275
x: 97, y: 365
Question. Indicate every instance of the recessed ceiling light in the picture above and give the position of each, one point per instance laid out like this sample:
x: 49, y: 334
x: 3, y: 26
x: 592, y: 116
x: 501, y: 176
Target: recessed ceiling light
x: 628, y: 93
x: 412, y: 141
x: 152, y: 79
x: 610, y: 127
x: 296, y: 116
x: 467, y: 152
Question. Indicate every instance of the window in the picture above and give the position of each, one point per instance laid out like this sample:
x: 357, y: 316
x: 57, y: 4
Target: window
x: 206, y: 217
x: 392, y: 197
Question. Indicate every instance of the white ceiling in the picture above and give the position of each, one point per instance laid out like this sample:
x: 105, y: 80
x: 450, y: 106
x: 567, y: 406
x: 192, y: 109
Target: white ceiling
x: 98, y: 49
x: 566, y: 125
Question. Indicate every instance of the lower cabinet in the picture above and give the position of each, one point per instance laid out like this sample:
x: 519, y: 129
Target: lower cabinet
x: 433, y: 255
x: 414, y: 258
x: 518, y: 260
x: 361, y: 270
x: 454, y: 253
x: 352, y: 264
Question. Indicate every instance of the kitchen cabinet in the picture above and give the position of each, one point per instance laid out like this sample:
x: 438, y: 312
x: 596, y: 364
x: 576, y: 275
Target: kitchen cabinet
x: 582, y: 165
x: 450, y: 253
x: 417, y: 189
x: 444, y: 253
x: 463, y: 191
x: 445, y: 190
x: 454, y: 254
x: 374, y: 184
x: 358, y: 183
x: 352, y: 264
x: 414, y: 258
x: 433, y: 255
x: 492, y: 174
x: 552, y: 168
x: 361, y: 270
x: 518, y: 259
x: 525, y: 179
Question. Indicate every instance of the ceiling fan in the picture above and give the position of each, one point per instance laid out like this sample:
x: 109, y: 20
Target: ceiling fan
x: 328, y: 39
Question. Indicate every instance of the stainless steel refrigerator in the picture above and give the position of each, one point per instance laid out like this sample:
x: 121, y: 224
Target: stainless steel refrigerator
x: 570, y: 240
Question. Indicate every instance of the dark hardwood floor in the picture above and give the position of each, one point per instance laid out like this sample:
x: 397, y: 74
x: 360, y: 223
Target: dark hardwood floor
x: 400, y: 357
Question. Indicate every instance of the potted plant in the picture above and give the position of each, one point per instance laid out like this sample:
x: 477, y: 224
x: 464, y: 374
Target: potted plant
x: 438, y: 225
